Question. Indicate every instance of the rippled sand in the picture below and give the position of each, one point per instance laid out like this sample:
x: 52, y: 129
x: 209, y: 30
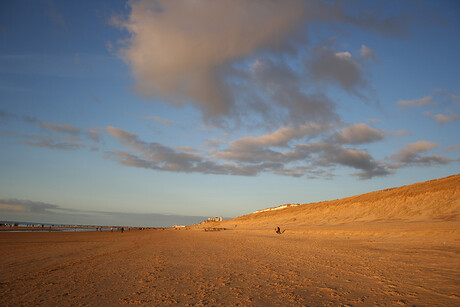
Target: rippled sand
x: 232, y: 267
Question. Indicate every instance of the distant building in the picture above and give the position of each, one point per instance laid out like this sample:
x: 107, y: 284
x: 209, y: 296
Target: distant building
x: 214, y: 219
x: 277, y: 208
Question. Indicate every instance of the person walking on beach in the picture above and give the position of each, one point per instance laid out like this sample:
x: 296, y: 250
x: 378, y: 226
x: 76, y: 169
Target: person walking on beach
x: 122, y: 229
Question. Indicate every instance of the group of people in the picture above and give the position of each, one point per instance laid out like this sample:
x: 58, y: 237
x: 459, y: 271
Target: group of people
x: 121, y: 229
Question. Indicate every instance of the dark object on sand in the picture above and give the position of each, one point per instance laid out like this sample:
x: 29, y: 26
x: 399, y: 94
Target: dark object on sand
x: 278, y: 230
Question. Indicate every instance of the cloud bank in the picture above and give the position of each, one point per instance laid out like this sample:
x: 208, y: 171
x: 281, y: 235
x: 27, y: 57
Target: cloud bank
x: 286, y: 151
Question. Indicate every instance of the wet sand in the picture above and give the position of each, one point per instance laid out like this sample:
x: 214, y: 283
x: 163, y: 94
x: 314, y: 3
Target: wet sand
x: 233, y: 267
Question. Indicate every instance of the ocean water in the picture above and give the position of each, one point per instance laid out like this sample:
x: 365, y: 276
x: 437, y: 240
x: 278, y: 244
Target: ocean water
x: 48, y: 227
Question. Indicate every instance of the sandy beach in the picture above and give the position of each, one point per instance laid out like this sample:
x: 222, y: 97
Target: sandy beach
x: 393, y: 247
x: 232, y: 267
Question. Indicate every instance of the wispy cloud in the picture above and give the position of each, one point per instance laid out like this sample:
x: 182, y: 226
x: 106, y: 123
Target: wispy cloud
x: 453, y: 147
x: 64, y: 136
x: 18, y: 205
x: 425, y: 101
x: 26, y: 118
x: 159, y: 119
x: 65, y: 142
x: 443, y: 118
x: 188, y: 148
x: 411, y: 155
x: 53, y: 143
x: 447, y: 105
x: 94, y: 134
x: 401, y: 132
x: 54, y: 14
x: 367, y: 53
x: 60, y: 128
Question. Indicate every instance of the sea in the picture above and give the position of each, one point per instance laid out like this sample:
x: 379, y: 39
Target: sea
x: 19, y: 226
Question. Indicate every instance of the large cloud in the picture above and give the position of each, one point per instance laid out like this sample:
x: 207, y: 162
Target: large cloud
x: 184, y: 51
x: 178, y: 48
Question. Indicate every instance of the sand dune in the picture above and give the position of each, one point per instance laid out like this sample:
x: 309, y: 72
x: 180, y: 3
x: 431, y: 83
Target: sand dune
x: 427, y: 207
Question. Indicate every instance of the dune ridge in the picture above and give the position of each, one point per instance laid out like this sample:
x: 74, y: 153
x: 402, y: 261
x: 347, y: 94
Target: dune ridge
x: 436, y: 203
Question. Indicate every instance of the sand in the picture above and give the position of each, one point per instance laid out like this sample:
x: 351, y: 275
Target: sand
x: 434, y: 201
x: 193, y: 267
x: 394, y: 247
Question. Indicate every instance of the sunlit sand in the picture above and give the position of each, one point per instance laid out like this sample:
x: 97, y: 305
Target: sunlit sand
x: 394, y: 247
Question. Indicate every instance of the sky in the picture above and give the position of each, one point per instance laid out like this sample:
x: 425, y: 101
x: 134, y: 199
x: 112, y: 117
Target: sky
x: 155, y: 113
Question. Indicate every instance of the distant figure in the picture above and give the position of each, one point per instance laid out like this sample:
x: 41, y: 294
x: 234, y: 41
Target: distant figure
x: 122, y: 229
x: 278, y: 230
x: 111, y: 229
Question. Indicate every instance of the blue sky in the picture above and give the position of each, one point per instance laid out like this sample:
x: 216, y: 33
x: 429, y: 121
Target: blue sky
x: 154, y: 113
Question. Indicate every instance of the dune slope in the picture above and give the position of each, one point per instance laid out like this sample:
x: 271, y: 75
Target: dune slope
x: 435, y: 201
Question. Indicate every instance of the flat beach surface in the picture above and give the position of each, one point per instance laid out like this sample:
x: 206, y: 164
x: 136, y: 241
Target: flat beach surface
x: 336, y: 266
